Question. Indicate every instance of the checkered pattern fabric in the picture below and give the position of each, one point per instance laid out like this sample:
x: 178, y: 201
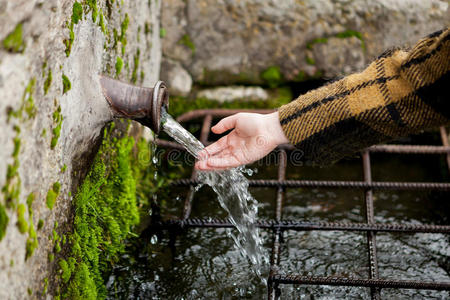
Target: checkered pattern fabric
x: 401, y: 92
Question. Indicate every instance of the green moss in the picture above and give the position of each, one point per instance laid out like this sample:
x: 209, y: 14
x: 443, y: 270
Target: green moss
x: 40, y: 224
x: 77, y: 12
x: 135, y: 66
x: 311, y: 44
x: 105, y: 213
x: 48, y: 81
x: 21, y: 221
x: 44, y: 132
x: 57, y: 119
x: 28, y: 100
x: 352, y: 33
x: 51, y: 257
x: 162, y: 32
x: 30, y: 200
x: 45, y: 286
x: 77, y: 15
x: 102, y: 24
x: 66, y: 84
x: 3, y: 221
x: 51, y: 198
x: 68, y: 42
x: 119, y: 65
x: 57, y: 188
x: 66, y: 272
x: 147, y: 28
x: 29, y: 291
x: 57, y: 247
x: 123, y: 32
x: 310, y: 61
x: 32, y: 241
x: 52, y: 194
x: 64, y: 168
x: 16, y: 147
x: 14, y: 41
x: 92, y: 6
x: 272, y: 76
x: 186, y: 41
x: 11, y: 188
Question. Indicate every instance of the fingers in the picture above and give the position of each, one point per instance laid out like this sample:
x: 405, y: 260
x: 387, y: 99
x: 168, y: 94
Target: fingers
x: 220, y: 162
x: 225, y: 124
x: 223, y: 162
x: 214, y: 148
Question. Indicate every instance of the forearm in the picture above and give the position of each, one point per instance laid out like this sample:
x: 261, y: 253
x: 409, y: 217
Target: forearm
x: 400, y: 93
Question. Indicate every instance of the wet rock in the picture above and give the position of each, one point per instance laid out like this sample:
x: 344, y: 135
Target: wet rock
x: 230, y: 93
x: 235, y: 41
x: 176, y: 77
x: 52, y: 113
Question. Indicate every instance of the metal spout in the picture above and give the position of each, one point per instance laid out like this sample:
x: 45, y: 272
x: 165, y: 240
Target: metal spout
x: 137, y: 103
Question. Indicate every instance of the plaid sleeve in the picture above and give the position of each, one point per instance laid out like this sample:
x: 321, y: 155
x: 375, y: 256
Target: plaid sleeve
x: 400, y: 93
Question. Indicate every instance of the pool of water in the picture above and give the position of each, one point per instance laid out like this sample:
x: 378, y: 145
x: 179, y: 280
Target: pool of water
x: 204, y: 263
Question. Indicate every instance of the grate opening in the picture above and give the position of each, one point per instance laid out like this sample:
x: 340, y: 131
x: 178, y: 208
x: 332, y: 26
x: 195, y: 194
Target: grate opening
x: 375, y: 277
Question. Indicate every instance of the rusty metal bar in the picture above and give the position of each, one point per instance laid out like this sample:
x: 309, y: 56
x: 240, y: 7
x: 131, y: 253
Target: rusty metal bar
x: 397, y: 149
x: 375, y: 283
x: 410, y: 149
x: 278, y: 226
x: 273, y: 288
x: 187, y: 208
x: 375, y: 185
x: 444, y: 139
x: 371, y: 235
x: 306, y: 225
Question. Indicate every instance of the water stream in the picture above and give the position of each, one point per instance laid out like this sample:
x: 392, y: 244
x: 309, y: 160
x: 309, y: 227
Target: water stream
x: 231, y: 187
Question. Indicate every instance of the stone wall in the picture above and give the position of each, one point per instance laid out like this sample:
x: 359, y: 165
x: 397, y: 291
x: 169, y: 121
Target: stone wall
x: 265, y: 41
x: 51, y: 114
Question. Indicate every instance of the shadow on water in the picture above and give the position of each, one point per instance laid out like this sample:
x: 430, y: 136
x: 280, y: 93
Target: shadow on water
x: 204, y: 264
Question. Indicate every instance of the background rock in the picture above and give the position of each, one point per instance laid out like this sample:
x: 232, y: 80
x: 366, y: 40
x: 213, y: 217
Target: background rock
x: 235, y: 41
x: 53, y: 108
x: 230, y: 93
x: 176, y: 77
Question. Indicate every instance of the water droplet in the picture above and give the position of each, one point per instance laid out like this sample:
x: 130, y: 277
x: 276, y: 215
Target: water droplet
x: 154, y: 240
x: 198, y: 187
x: 150, y: 212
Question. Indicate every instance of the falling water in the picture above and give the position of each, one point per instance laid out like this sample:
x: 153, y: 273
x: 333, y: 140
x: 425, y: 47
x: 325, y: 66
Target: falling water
x: 231, y: 187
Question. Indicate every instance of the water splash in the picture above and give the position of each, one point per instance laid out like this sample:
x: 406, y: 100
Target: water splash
x: 231, y: 187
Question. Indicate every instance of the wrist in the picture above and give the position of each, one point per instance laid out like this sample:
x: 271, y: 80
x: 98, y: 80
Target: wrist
x: 276, y: 130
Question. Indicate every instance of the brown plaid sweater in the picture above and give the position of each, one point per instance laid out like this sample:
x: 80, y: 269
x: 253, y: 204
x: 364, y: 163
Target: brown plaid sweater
x: 401, y: 92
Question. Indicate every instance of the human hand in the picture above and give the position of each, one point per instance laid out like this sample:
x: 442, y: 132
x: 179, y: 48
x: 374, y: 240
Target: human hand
x: 253, y: 137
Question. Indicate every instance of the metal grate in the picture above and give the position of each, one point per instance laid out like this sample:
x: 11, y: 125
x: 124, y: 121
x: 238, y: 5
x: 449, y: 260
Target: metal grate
x: 277, y: 225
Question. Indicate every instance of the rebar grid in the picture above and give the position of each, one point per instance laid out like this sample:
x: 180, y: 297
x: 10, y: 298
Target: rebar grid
x: 277, y: 225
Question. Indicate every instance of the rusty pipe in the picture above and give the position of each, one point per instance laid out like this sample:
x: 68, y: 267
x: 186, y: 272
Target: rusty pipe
x: 141, y: 104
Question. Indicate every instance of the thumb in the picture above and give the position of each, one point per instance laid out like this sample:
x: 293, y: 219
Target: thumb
x: 225, y: 124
